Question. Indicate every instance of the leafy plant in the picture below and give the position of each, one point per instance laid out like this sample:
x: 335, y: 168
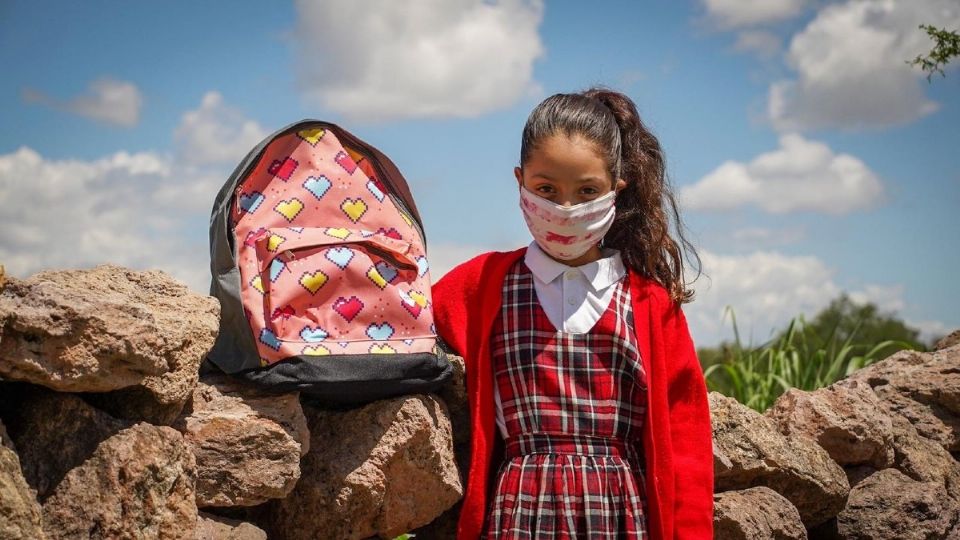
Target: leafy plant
x: 756, y: 376
x: 946, y: 46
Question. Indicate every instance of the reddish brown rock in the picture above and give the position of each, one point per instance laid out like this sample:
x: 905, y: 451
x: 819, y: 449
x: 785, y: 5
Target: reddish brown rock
x: 53, y: 432
x: 246, y: 443
x: 104, y: 329
x: 390, y: 470
x: 950, y: 340
x: 924, y: 388
x: 138, y: 483
x: 889, y: 505
x: 847, y: 419
x: 211, y: 527
x: 749, y: 451
x: 755, y: 513
x: 19, y: 510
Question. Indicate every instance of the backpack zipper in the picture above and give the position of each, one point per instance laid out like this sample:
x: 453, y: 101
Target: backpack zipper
x: 398, y: 201
x: 386, y: 178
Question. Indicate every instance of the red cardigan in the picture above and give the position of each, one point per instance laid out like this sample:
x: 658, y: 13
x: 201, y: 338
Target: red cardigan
x: 677, y: 438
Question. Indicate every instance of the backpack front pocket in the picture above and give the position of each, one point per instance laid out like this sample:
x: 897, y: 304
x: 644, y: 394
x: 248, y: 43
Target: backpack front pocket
x: 341, y: 291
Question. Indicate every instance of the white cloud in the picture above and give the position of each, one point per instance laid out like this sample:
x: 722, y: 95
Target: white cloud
x: 766, y: 289
x: 75, y: 214
x: 851, y: 70
x: 142, y: 210
x: 741, y: 13
x: 107, y: 100
x: 801, y: 175
x: 759, y: 42
x: 216, y: 133
x: 757, y: 236
x: 378, y: 60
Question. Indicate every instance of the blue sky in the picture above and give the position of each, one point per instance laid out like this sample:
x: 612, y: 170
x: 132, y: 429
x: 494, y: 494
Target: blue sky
x: 808, y: 157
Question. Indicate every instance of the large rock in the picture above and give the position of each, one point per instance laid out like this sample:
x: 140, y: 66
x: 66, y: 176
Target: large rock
x: 138, y: 483
x: 847, y: 419
x: 950, y: 340
x: 758, y: 513
x: 749, y: 451
x: 924, y: 460
x: 19, y: 510
x: 889, y: 505
x: 923, y: 387
x: 211, y: 527
x: 383, y: 469
x: 53, y: 432
x: 104, y: 329
x: 247, y: 444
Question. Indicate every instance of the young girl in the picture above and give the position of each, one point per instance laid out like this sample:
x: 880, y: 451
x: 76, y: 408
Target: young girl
x: 587, y: 401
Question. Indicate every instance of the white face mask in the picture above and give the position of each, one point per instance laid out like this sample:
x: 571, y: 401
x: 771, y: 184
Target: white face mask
x: 567, y: 232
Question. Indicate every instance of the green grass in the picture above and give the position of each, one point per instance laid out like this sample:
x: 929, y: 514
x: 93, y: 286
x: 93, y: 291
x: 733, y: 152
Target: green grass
x: 756, y: 376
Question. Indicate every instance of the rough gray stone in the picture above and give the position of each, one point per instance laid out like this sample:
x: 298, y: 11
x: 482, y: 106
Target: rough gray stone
x: 750, y: 451
x: 106, y: 328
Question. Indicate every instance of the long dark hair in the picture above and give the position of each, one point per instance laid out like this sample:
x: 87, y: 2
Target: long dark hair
x: 641, y: 228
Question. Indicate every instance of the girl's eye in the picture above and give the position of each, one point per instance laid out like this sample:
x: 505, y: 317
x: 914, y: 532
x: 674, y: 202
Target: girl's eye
x: 545, y: 189
x: 589, y: 191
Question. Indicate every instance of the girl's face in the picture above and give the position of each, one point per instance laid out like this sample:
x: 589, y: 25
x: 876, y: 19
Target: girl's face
x: 567, y: 171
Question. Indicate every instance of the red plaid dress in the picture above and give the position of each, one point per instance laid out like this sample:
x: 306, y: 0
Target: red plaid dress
x: 573, y: 406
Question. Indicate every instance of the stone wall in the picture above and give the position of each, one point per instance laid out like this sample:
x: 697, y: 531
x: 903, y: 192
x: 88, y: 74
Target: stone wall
x: 108, y: 430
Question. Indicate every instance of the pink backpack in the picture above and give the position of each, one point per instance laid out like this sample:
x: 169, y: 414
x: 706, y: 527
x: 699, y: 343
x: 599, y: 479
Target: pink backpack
x: 319, y: 262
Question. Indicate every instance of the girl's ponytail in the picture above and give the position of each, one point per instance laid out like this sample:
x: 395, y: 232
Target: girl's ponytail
x: 641, y: 229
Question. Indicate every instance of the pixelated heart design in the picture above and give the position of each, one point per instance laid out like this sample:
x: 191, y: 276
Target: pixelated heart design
x: 348, y: 308
x: 343, y: 344
x: 315, y: 350
x: 318, y: 185
x: 366, y: 234
x: 410, y: 305
x: 340, y: 256
x: 269, y: 339
x: 388, y: 272
x: 339, y: 233
x: 274, y: 242
x: 285, y: 312
x: 433, y: 328
x: 380, y: 332
x: 374, y: 190
x: 382, y: 349
x: 419, y: 298
x: 249, y: 202
x: 346, y: 162
x: 422, y: 266
x: 289, y: 209
x: 311, y: 334
x: 276, y: 266
x: 312, y: 281
x: 376, y: 278
x: 283, y: 169
x: 408, y: 342
x: 390, y: 233
x: 253, y: 236
x: 257, y: 283
x: 312, y: 135
x: 354, y: 208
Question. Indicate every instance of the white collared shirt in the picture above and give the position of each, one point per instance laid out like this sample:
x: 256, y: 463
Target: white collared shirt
x: 573, y: 297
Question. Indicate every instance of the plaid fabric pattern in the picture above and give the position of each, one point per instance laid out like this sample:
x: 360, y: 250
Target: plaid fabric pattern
x: 573, y: 405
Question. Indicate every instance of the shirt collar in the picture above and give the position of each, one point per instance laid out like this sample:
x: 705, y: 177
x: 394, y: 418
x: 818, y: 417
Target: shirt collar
x: 600, y: 274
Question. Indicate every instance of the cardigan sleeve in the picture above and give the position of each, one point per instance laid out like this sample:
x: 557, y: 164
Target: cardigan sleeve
x: 452, y: 296
x: 690, y: 430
